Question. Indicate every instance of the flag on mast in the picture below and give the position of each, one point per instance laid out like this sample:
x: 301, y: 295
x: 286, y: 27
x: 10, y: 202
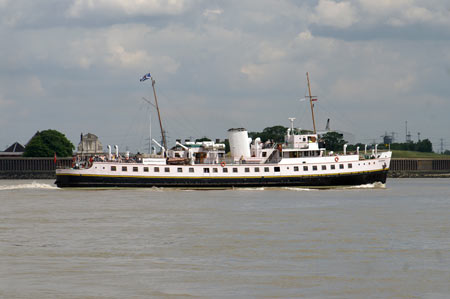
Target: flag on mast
x: 145, y: 77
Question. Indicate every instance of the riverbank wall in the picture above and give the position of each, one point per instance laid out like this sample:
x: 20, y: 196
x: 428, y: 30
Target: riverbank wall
x: 44, y: 168
x: 31, y: 168
x: 419, y: 168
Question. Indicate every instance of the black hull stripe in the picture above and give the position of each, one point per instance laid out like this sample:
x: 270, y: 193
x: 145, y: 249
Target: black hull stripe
x: 137, y: 181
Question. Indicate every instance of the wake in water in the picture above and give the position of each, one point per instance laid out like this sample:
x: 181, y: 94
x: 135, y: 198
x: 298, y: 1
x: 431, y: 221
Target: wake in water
x: 376, y: 185
x: 32, y: 185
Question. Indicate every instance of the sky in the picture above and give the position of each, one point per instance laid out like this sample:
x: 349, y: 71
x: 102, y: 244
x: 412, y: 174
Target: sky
x: 74, y: 66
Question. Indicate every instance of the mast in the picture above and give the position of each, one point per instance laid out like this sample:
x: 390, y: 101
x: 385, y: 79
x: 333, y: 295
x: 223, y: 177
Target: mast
x: 311, y: 103
x: 159, y: 115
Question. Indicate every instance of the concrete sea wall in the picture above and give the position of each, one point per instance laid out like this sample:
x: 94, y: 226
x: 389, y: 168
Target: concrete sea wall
x: 31, y: 168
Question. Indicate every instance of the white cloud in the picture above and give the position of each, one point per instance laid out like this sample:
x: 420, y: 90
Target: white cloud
x: 335, y: 14
x: 127, y: 7
x: 305, y: 35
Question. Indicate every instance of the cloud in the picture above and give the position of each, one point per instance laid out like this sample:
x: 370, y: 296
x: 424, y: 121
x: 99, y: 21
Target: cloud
x: 128, y: 7
x: 335, y: 14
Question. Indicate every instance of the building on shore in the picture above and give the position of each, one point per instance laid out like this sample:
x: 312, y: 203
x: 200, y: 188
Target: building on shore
x: 14, y: 150
x: 89, y: 145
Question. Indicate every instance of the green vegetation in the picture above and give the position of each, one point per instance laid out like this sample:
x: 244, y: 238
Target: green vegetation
x: 424, y: 146
x: 275, y: 133
x: 47, y: 143
x: 412, y: 154
x: 333, y: 141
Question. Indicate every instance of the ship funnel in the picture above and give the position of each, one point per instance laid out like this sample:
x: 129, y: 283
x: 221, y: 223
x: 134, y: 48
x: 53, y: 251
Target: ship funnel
x: 239, y: 142
x: 109, y: 152
x: 345, y: 149
x: 117, y: 150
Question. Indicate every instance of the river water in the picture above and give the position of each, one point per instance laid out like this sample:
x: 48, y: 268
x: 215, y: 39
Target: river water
x: 372, y: 241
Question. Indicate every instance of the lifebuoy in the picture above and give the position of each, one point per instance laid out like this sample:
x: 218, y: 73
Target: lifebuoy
x: 223, y: 164
x: 336, y: 159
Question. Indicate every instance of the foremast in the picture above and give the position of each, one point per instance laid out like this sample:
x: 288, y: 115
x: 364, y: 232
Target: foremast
x: 311, y: 103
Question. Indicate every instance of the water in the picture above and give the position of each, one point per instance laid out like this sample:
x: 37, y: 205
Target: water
x: 365, y: 242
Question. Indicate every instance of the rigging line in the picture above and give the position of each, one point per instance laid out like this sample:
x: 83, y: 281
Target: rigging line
x: 124, y: 141
x: 181, y: 115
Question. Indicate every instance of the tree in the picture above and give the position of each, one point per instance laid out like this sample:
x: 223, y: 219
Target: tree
x: 47, y: 143
x: 275, y: 133
x: 202, y: 139
x: 334, y: 141
x: 424, y: 146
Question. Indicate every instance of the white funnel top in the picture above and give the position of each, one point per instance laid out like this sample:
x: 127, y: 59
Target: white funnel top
x: 239, y: 143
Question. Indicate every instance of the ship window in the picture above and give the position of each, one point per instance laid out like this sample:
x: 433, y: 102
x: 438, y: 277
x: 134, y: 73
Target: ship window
x: 247, y: 169
x: 235, y: 169
x: 314, y: 167
x: 256, y: 169
x: 305, y: 168
x: 224, y: 169
x: 124, y: 168
x: 276, y: 169
x: 266, y: 169
x: 341, y: 166
x: 156, y: 169
x: 324, y: 167
x: 295, y: 168
x: 179, y: 169
x: 205, y: 170
x: 191, y: 169
x: 293, y: 154
x: 166, y: 169
x: 135, y: 169
x: 177, y: 155
x: 145, y: 169
x: 333, y: 166
x: 350, y: 165
x: 113, y: 168
x: 264, y: 154
x: 215, y: 170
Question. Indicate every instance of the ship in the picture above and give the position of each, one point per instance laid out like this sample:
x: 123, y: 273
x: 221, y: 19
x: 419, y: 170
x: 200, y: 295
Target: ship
x: 300, y: 161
